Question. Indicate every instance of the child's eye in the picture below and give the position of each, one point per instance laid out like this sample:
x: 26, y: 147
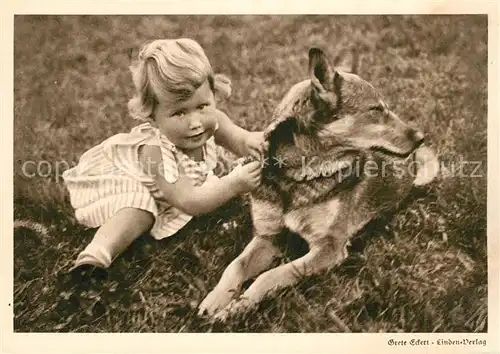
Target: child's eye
x: 178, y: 114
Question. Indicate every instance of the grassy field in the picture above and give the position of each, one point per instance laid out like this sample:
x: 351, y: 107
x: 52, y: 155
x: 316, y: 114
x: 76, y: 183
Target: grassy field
x: 423, y: 270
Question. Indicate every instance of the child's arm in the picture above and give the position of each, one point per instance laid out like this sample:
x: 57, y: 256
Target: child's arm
x: 231, y: 136
x: 238, y: 140
x: 196, y: 200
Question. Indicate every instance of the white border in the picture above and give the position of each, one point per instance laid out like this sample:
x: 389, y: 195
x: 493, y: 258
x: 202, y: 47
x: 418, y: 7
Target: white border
x: 239, y: 343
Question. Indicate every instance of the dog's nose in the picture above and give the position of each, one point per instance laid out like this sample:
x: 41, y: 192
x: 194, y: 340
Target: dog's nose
x: 416, y: 136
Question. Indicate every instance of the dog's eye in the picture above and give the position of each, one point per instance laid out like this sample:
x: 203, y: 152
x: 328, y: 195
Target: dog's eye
x: 376, y: 107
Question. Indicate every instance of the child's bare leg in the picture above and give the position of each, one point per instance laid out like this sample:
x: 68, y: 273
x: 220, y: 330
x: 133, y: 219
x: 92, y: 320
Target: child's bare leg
x: 114, y: 236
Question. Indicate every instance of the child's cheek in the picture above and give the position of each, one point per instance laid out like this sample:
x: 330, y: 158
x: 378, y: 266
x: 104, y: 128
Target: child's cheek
x: 211, y: 122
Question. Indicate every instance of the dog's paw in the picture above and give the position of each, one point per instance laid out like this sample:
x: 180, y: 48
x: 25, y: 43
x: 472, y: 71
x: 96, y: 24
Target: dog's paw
x: 221, y: 316
x: 235, y: 307
x: 215, y: 301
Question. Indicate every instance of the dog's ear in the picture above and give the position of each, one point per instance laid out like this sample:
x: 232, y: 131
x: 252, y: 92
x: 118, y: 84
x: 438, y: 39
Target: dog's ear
x: 324, y: 82
x: 340, y: 62
x: 321, y: 71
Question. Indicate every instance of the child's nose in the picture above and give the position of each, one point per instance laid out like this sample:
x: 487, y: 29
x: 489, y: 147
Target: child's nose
x: 194, y: 120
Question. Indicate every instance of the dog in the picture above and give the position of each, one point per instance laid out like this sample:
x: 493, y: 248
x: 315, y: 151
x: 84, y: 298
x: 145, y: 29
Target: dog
x: 338, y: 157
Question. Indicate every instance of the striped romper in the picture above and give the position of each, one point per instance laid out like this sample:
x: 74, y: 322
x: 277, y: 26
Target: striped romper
x: 109, y: 177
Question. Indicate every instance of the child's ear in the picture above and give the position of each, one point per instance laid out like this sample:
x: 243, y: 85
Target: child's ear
x: 222, y: 87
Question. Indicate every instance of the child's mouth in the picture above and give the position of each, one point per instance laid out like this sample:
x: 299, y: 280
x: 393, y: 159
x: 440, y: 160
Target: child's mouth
x: 196, y: 136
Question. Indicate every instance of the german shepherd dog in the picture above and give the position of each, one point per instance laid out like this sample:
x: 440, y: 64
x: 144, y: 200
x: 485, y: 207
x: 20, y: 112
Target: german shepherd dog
x: 338, y: 157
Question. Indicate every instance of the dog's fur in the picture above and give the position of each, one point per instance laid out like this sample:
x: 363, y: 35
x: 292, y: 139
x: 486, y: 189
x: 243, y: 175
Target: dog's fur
x: 337, y: 158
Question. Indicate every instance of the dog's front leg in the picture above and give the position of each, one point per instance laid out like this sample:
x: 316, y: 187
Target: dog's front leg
x: 316, y: 260
x: 256, y: 257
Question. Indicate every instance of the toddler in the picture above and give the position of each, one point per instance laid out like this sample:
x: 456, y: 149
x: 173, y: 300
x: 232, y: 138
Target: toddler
x: 161, y: 174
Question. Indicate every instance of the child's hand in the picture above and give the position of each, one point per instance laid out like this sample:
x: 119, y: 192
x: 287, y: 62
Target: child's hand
x: 255, y: 145
x: 248, y: 176
x: 236, y: 139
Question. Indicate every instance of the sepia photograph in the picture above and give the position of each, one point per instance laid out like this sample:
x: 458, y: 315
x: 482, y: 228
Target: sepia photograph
x: 250, y: 174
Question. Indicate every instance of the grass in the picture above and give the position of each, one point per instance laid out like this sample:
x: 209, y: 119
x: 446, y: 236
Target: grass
x: 423, y: 270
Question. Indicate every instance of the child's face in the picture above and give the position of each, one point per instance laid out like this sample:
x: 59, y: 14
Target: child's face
x: 188, y: 124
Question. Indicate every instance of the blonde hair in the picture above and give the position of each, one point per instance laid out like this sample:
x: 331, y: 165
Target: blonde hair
x: 172, y: 69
